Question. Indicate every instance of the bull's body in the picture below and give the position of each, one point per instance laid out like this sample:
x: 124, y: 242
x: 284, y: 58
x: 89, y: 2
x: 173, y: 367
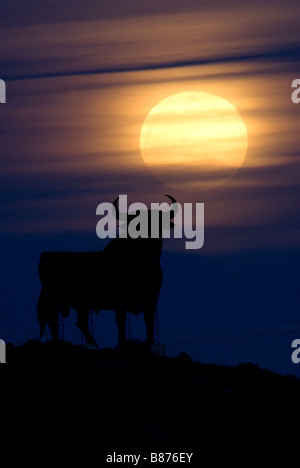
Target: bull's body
x: 125, y: 276
x: 114, y: 278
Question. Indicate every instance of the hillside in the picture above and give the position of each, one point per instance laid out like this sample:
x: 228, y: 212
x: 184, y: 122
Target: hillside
x: 65, y: 397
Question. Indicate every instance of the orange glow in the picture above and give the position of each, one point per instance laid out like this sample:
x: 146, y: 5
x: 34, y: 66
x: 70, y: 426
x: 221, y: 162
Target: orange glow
x: 194, y: 130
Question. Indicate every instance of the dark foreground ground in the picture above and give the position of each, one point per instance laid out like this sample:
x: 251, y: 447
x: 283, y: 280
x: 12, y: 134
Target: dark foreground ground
x: 68, y: 399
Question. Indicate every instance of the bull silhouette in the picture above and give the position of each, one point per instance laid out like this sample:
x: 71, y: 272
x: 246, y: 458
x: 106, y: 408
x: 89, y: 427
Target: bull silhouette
x: 125, y: 276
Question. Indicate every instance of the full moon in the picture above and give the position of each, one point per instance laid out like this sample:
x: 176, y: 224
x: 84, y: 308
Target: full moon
x: 193, y: 140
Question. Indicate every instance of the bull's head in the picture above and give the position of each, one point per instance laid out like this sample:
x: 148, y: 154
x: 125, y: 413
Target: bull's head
x: 155, y: 219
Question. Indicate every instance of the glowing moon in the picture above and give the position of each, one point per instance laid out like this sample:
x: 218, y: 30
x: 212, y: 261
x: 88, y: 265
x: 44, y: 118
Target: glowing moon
x: 194, y: 140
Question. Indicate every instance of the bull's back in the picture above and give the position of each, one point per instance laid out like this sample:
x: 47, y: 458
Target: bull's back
x: 99, y: 280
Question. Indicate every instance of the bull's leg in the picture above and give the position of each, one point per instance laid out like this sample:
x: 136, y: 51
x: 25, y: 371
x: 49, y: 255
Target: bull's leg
x: 82, y: 324
x: 149, y: 314
x: 53, y: 322
x: 47, y: 313
x: 121, y: 323
x: 42, y: 312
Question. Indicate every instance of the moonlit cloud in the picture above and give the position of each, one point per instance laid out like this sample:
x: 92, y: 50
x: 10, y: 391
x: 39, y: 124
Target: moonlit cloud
x: 81, y: 82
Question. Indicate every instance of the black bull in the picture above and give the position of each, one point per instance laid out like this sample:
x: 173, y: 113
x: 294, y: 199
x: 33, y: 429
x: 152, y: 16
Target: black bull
x: 124, y: 276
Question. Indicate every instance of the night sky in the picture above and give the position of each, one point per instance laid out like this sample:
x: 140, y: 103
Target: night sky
x: 80, y: 80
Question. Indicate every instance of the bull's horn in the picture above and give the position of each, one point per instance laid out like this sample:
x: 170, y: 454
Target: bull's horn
x: 119, y: 216
x: 175, y: 210
x: 115, y: 203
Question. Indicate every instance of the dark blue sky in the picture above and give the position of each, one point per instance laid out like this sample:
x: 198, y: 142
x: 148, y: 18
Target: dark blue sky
x: 80, y: 81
